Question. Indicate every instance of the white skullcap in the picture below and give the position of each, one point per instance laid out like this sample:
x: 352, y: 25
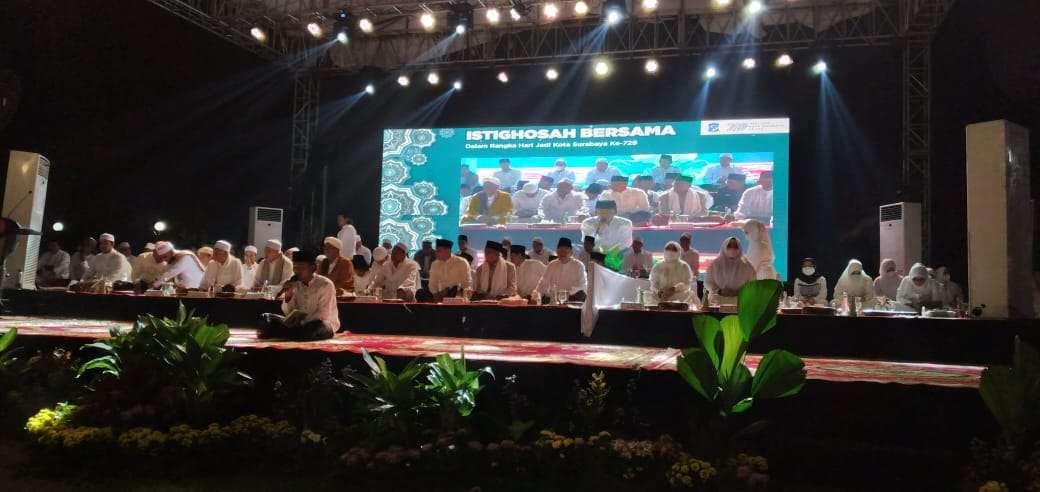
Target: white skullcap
x: 530, y: 188
x: 401, y: 247
x: 292, y: 250
x: 379, y: 253
x: 163, y: 247
x: 565, y: 180
x: 251, y: 249
x: 334, y: 242
x: 108, y: 237
x: 274, y: 244
x: 358, y: 241
x: 149, y: 246
x: 490, y: 179
x: 124, y: 244
x: 205, y: 250
x: 537, y: 239
x: 223, y: 246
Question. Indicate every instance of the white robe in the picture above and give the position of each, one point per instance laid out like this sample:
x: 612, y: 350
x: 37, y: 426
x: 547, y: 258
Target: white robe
x: 403, y: 276
x: 861, y: 286
x: 218, y: 275
x: 111, y: 266
x: 569, y: 276
x: 755, y: 202
x: 59, y: 263
x: 674, y: 274
x: 317, y: 299
x: 501, y: 284
x: 558, y: 209
x: 363, y: 283
x: 542, y: 257
x: 528, y: 274
x: 525, y: 205
x: 616, y: 233
x: 910, y: 294
x: 760, y: 250
x: 348, y: 236
x: 628, y: 201
x: 78, y: 265
x: 453, y: 272
x: 632, y: 260
x: 691, y: 204
x: 249, y: 275
x: 185, y: 269
x: 273, y: 273
x: 146, y: 269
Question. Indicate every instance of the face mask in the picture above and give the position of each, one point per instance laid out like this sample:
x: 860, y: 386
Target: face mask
x: 560, y: 168
x: 670, y: 255
x: 808, y: 271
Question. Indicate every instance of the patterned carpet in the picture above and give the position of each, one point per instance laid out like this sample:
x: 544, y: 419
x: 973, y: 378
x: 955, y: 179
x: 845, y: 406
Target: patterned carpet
x: 485, y: 350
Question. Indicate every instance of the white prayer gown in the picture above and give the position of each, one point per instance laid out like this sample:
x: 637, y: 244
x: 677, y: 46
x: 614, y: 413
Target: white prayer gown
x: 675, y: 274
x: 528, y: 274
x: 760, y: 250
x: 861, y: 286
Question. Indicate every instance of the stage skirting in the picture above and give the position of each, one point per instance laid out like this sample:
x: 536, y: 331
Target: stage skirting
x: 524, y: 352
x: 956, y: 341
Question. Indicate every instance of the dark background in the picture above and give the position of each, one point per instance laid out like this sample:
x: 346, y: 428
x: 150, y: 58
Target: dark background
x: 147, y: 117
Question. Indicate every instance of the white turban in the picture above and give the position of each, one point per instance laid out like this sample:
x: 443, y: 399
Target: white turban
x: 274, y: 244
x: 205, y: 250
x: 149, y: 247
x: 251, y: 249
x: 334, y: 242
x: 108, y: 237
x: 223, y: 246
x: 291, y: 250
x: 124, y: 244
x: 491, y: 180
x: 163, y: 247
x: 379, y: 253
x: 530, y: 188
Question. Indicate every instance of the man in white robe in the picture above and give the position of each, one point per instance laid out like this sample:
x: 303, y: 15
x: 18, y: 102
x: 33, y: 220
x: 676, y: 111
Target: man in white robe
x: 205, y: 255
x: 53, y: 264
x: 450, y: 275
x: 496, y: 277
x: 716, y: 175
x: 399, y: 277
x: 224, y: 272
x: 672, y: 279
x: 637, y: 262
x: 538, y: 251
x: 757, y: 201
x: 124, y: 248
x: 78, y: 261
x: 631, y: 202
x: 183, y: 267
x: 564, y: 274
x: 365, y: 253
x: 688, y: 254
x: 309, y: 305
x: 609, y: 230
x: 506, y: 176
x: 683, y: 199
x: 528, y: 271
x: 275, y: 268
x: 602, y: 171
x: 148, y: 268
x: 347, y: 235
x: 249, y: 267
x: 561, y: 204
x: 527, y: 201
x: 646, y: 183
x: 108, y: 265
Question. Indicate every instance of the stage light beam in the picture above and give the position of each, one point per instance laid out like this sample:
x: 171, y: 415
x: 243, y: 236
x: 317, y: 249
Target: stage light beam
x: 651, y: 66
x: 503, y: 77
x: 552, y: 74
x: 258, y: 34
x: 58, y: 227
x: 784, y: 60
x: 820, y: 67
x: 314, y: 29
x: 493, y: 16
x: 427, y: 21
x: 550, y: 11
x: 403, y: 81
x: 433, y: 78
x: 649, y: 5
x: 457, y: 85
x: 460, y: 29
x: 601, y: 68
x: 613, y: 17
x: 748, y: 63
x: 342, y: 37
x: 366, y: 25
x: 581, y: 8
x: 711, y: 73
x: 754, y: 7
x: 370, y: 89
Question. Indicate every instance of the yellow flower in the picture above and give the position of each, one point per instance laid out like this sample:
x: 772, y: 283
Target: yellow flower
x: 993, y: 486
x: 604, y: 434
x: 556, y: 444
x: 568, y: 441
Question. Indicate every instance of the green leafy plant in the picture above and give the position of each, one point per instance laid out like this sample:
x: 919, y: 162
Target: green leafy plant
x: 1012, y: 393
x: 453, y: 386
x: 716, y: 369
x: 7, y: 356
x: 396, y: 397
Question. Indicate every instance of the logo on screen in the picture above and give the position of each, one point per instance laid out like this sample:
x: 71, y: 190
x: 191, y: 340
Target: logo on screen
x: 713, y: 127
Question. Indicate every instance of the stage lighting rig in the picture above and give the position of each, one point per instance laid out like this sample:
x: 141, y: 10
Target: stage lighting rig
x: 820, y: 67
x: 427, y: 21
x: 613, y: 11
x: 370, y: 89
x: 581, y: 8
x: 552, y: 74
x: 518, y: 10
x: 651, y: 66
x: 493, y: 16
x: 784, y: 60
x: 258, y: 34
x: 460, y: 17
x: 366, y: 25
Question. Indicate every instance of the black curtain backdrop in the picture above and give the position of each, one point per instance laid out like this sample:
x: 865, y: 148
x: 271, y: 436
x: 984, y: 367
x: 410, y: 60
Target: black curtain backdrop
x: 147, y: 117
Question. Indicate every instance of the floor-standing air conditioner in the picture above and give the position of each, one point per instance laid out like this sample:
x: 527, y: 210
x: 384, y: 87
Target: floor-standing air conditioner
x: 24, y: 197
x: 901, y: 234
x: 264, y: 224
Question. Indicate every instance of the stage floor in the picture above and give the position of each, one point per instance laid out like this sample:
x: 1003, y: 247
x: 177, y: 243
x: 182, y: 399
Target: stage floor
x: 526, y: 352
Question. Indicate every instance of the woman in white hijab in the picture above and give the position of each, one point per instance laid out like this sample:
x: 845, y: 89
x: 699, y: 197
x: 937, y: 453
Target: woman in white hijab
x: 728, y: 273
x: 856, y: 283
x: 809, y: 286
x: 672, y: 279
x: 887, y: 282
x: 760, y: 250
x: 917, y: 289
x: 947, y: 291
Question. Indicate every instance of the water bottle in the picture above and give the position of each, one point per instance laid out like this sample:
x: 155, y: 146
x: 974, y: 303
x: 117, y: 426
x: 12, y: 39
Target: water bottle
x: 845, y: 303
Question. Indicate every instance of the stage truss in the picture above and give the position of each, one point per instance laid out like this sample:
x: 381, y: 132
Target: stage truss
x: 676, y: 28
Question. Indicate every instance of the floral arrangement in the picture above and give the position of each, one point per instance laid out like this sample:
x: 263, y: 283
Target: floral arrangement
x: 691, y: 473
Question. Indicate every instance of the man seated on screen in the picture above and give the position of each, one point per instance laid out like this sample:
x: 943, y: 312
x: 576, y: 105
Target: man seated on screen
x: 631, y: 203
x: 490, y: 206
x: 593, y: 194
x: 183, y: 267
x: 646, y: 183
x: 546, y: 183
x: 603, y: 170
x: 528, y: 272
x: 275, y: 268
x: 637, y: 262
x: 728, y: 198
x: 399, y: 277
x: 663, y: 169
x: 757, y: 201
x: 564, y: 274
x: 538, y: 251
x: 561, y: 204
x: 450, y: 276
x: 337, y: 268
x: 560, y: 172
x: 506, y: 176
x: 224, y: 272
x: 469, y: 178
x: 528, y: 200
x: 717, y: 175
x: 685, y: 200
x: 609, y: 230
x: 309, y: 305
x: 496, y: 277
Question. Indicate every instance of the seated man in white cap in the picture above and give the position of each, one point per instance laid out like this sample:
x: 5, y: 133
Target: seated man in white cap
x: 309, y: 305
x: 631, y: 202
x: 538, y: 251
x: 224, y: 272
x: 205, y: 255
x: 53, y: 267
x: 249, y: 267
x: 399, y: 277
x: 528, y: 272
x: 561, y: 204
x: 363, y: 251
x: 528, y: 201
x: 275, y: 268
x: 490, y: 206
x: 108, y: 265
x: 148, y: 268
x: 337, y: 268
x: 449, y: 275
x: 496, y: 277
x: 563, y: 275
x: 124, y: 248
x: 609, y: 230
x: 183, y: 267
x: 637, y: 262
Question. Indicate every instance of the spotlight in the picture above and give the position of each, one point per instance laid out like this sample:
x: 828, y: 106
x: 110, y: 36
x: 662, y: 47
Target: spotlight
x: 427, y: 21
x: 552, y: 74
x: 514, y: 14
x: 581, y: 8
x: 58, y: 227
x: 613, y: 17
x: 159, y: 226
x: 258, y: 34
x: 342, y: 15
x: 433, y: 78
x: 370, y: 89
x: 493, y: 16
x: 457, y: 85
x: 721, y: 3
x: 784, y: 60
x: 601, y: 68
x: 403, y: 81
x: 613, y: 11
x: 366, y: 26
x: 314, y: 29
x: 651, y: 66
x: 748, y: 63
x: 711, y: 73
x: 460, y: 15
x: 754, y: 6
x: 503, y: 77
x: 342, y: 37
x: 460, y: 29
x: 550, y: 10
x: 649, y: 5
x: 819, y: 67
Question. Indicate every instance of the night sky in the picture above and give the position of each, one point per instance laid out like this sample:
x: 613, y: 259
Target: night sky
x: 147, y: 117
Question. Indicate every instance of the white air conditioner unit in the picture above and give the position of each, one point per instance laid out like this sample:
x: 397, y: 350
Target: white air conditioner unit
x: 24, y: 197
x: 901, y: 234
x: 264, y: 224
